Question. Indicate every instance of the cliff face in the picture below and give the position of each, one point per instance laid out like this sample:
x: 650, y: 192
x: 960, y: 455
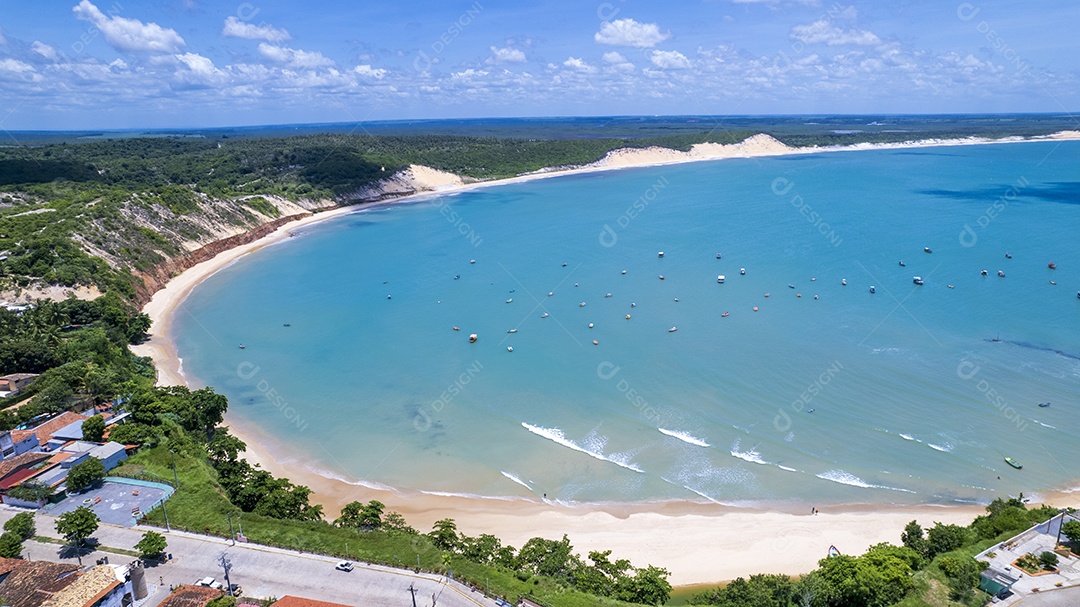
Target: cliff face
x: 156, y: 277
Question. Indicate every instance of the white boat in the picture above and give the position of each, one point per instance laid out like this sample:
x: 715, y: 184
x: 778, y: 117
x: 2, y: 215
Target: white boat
x: 720, y: 279
x: 843, y: 281
x: 509, y: 348
x: 673, y: 329
x: 742, y: 271
x: 1001, y: 273
x: 872, y: 289
x: 917, y: 280
x: 660, y: 254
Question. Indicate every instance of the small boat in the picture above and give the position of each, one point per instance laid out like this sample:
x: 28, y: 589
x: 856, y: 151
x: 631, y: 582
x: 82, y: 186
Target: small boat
x: 755, y: 308
x: 982, y: 273
x: 790, y: 286
x: 927, y: 250
x: 661, y: 277
x: 607, y: 294
x: 575, y: 284
x: 1008, y: 255
x: 917, y: 280
x: 551, y: 293
x: 813, y: 278
x: 511, y: 330
x: 472, y: 338
x: 509, y: 348
x: 242, y: 346
x: 720, y: 279
x: 742, y: 271
x: 725, y: 315
x: 457, y: 277
x: 633, y: 305
x: 388, y: 297
x: 798, y: 295
x: 718, y: 256
x: 286, y: 325
x: 1013, y: 463
x: 902, y: 264
x: 627, y: 317
x: 624, y: 271
x: 544, y: 315
x: 581, y: 305
x: 872, y: 289
x: 767, y: 294
x: 564, y: 264
x: 843, y: 282
x: 676, y: 300
x: 1052, y: 265
x: 456, y: 329
x: 511, y: 300
x: 595, y: 343
x: 590, y: 325
x: 660, y: 254
x: 1044, y: 405
x: 951, y: 287
x: 1001, y: 273
x: 1053, y: 282
x: 673, y: 329
x: 472, y: 261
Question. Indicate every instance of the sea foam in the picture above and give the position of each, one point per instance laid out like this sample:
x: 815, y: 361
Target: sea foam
x: 684, y: 437
x: 557, y: 436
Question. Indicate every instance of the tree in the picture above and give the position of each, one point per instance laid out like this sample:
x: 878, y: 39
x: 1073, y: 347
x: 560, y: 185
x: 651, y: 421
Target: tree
x: 93, y: 428
x: 10, y: 545
x: 1071, y: 530
x: 371, y: 515
x: 944, y: 538
x: 76, y: 526
x: 22, y: 525
x: 444, y: 534
x: 913, y: 537
x: 152, y: 545
x: 649, y: 586
x: 350, y: 515
x: 961, y: 573
x: 552, y: 558
x: 395, y: 523
x: 1048, y: 560
x: 85, y: 473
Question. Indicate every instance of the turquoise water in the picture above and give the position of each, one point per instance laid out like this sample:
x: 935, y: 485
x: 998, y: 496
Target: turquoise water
x: 913, y: 401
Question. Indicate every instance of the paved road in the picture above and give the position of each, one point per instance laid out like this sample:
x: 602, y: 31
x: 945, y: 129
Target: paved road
x: 263, y: 571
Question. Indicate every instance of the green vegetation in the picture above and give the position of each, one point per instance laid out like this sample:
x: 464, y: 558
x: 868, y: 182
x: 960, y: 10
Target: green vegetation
x: 76, y: 526
x: 10, y: 545
x: 931, y: 569
x: 22, y: 525
x: 152, y: 545
x: 93, y: 428
x: 31, y: 491
x: 1071, y: 530
x: 85, y: 474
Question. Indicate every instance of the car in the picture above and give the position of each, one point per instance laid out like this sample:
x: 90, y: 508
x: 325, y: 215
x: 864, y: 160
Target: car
x: 344, y: 566
x: 235, y: 590
x: 209, y: 582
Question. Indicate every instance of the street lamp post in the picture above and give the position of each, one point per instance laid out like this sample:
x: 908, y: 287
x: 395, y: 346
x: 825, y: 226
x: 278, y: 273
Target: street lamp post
x: 176, y: 480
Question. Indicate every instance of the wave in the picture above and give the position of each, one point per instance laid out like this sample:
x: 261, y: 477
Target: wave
x: 909, y: 437
x: 684, y: 437
x: 946, y: 448
x: 516, y: 479
x: 750, y: 456
x: 1044, y: 425
x: 782, y: 467
x: 847, y: 478
x: 474, y: 496
x: 557, y: 436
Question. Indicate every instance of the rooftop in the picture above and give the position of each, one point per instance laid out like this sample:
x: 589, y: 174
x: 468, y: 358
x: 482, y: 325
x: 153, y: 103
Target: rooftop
x: 190, y: 596
x: 45, y: 431
x: 86, y: 589
x: 12, y: 464
x: 31, y: 583
x: 18, y: 376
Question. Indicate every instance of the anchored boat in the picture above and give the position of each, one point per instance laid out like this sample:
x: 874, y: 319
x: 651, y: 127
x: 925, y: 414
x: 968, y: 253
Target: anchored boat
x: 1013, y: 463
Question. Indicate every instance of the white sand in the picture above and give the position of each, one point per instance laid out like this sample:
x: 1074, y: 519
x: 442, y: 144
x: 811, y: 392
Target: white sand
x: 697, y: 543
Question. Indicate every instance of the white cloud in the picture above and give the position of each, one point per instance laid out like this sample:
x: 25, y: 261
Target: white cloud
x: 130, y: 34
x: 506, y: 55
x: 616, y: 62
x: 823, y: 31
x: 15, y: 66
x: 670, y: 60
x: 627, y: 32
x: 577, y: 64
x: 235, y: 28
x: 369, y: 72
x: 293, y: 57
x: 44, y: 50
x: 469, y: 74
x: 198, y: 64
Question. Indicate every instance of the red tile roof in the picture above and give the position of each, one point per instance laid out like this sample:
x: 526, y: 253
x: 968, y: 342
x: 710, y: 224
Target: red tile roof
x: 45, y: 431
x: 295, y: 601
x: 32, y: 583
x: 190, y: 596
x: 17, y: 477
x: 23, y: 460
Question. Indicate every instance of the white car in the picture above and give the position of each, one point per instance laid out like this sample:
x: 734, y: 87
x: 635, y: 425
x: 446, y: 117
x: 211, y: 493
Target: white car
x: 344, y: 566
x: 209, y: 582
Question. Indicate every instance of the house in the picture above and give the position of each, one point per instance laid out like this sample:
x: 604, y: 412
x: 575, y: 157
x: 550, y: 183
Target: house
x: 100, y: 586
x: 46, y: 430
x: 996, y: 582
x: 110, y: 453
x: 190, y: 596
x: 31, y: 583
x: 295, y: 601
x: 11, y: 384
x: 14, y: 470
x: 9, y: 447
x: 70, y: 432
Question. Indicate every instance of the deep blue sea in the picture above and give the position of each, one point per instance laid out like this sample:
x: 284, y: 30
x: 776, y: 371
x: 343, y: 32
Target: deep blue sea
x: 828, y: 392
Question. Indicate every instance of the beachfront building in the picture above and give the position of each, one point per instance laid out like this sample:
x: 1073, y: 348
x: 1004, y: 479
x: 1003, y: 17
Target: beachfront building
x: 9, y: 447
x: 1003, y: 574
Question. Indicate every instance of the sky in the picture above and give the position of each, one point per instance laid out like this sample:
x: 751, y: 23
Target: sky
x: 113, y: 64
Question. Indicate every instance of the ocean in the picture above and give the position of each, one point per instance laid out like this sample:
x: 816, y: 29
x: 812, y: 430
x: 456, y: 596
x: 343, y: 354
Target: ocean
x: 781, y: 385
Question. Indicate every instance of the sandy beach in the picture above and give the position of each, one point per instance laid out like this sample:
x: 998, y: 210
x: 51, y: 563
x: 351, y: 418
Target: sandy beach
x: 698, y: 543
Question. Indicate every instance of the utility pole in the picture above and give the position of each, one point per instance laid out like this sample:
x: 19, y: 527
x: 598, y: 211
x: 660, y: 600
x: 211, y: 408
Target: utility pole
x: 176, y: 480
x: 412, y: 591
x: 232, y: 534
x: 168, y: 529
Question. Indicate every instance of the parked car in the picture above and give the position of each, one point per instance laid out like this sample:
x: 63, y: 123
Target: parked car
x: 344, y: 566
x: 209, y: 582
x: 235, y: 590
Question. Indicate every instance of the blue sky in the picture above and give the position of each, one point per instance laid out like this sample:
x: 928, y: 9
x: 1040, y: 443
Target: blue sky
x: 194, y: 63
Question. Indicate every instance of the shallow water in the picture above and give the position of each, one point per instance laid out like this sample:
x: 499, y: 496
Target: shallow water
x: 913, y: 399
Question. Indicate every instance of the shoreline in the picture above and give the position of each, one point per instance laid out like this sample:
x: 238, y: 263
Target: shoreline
x: 775, y: 539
